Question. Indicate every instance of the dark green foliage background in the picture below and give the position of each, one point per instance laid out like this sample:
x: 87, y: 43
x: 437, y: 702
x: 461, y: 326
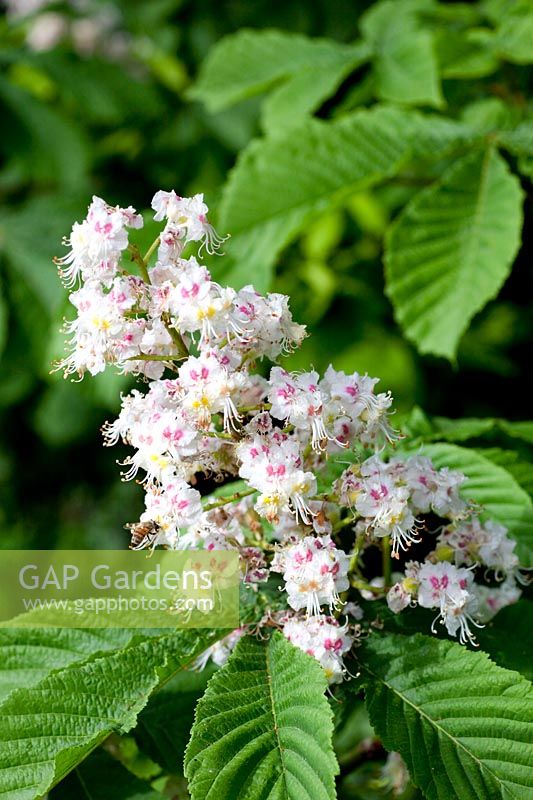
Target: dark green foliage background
x: 75, y: 125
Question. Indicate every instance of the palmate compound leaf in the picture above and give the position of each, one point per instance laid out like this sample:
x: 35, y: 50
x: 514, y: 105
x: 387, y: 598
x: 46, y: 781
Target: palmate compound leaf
x: 281, y: 182
x: 451, y: 250
x: 263, y: 728
x: 48, y: 727
x: 249, y: 62
x: 463, y: 725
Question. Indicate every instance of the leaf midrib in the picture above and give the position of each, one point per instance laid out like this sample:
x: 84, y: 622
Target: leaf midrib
x: 472, y: 238
x: 459, y: 744
x: 269, y: 675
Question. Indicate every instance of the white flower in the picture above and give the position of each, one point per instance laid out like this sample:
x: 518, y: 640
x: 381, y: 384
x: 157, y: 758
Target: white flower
x: 395, y: 774
x: 353, y: 610
x: 296, y: 398
x: 492, y: 599
x: 205, y: 534
x: 209, y: 388
x: 324, y: 639
x: 398, y: 597
x: 386, y: 510
x: 175, y: 506
x: 432, y: 489
x: 441, y: 583
x: 220, y: 651
x: 188, y: 215
x: 358, y: 410
x: 97, y: 243
x: 488, y: 543
x: 315, y: 572
x: 270, y: 329
x: 449, y: 589
x: 101, y: 334
x: 272, y: 465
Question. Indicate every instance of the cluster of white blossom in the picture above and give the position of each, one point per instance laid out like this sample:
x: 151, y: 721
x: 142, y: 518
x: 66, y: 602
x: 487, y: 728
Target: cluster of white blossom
x: 218, y: 406
x: 390, y: 496
x: 89, y: 26
x: 445, y: 581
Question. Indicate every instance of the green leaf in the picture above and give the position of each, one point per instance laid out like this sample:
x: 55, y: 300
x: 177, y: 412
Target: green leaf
x: 490, y: 115
x: 463, y: 725
x: 70, y: 711
x: 518, y: 141
x: 510, y: 651
x: 519, y: 430
x: 100, y: 776
x: 514, y: 37
x: 263, y: 728
x: 494, y: 488
x: 249, y: 62
x: 405, y: 63
x: 419, y: 425
x: 3, y: 321
x: 521, y: 470
x: 43, y: 220
x: 288, y: 105
x: 28, y: 656
x: 460, y: 430
x: 465, y: 54
x: 282, y: 182
x: 55, y: 147
x: 451, y: 250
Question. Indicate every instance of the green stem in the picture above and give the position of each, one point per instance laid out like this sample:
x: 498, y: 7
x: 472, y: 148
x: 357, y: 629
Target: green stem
x: 147, y: 357
x: 176, y: 337
x: 357, y: 583
x: 355, y: 555
x: 232, y: 498
x: 386, y: 561
x: 139, y: 260
x: 343, y: 523
x: 218, y: 435
x: 150, y: 250
x: 143, y: 267
x: 260, y: 407
x: 325, y: 497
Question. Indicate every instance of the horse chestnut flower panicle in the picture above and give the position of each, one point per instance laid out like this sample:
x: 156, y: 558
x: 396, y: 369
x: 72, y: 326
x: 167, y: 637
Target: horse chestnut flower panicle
x: 216, y: 403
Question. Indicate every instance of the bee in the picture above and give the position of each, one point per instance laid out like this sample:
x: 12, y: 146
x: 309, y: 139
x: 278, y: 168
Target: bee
x: 143, y: 534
